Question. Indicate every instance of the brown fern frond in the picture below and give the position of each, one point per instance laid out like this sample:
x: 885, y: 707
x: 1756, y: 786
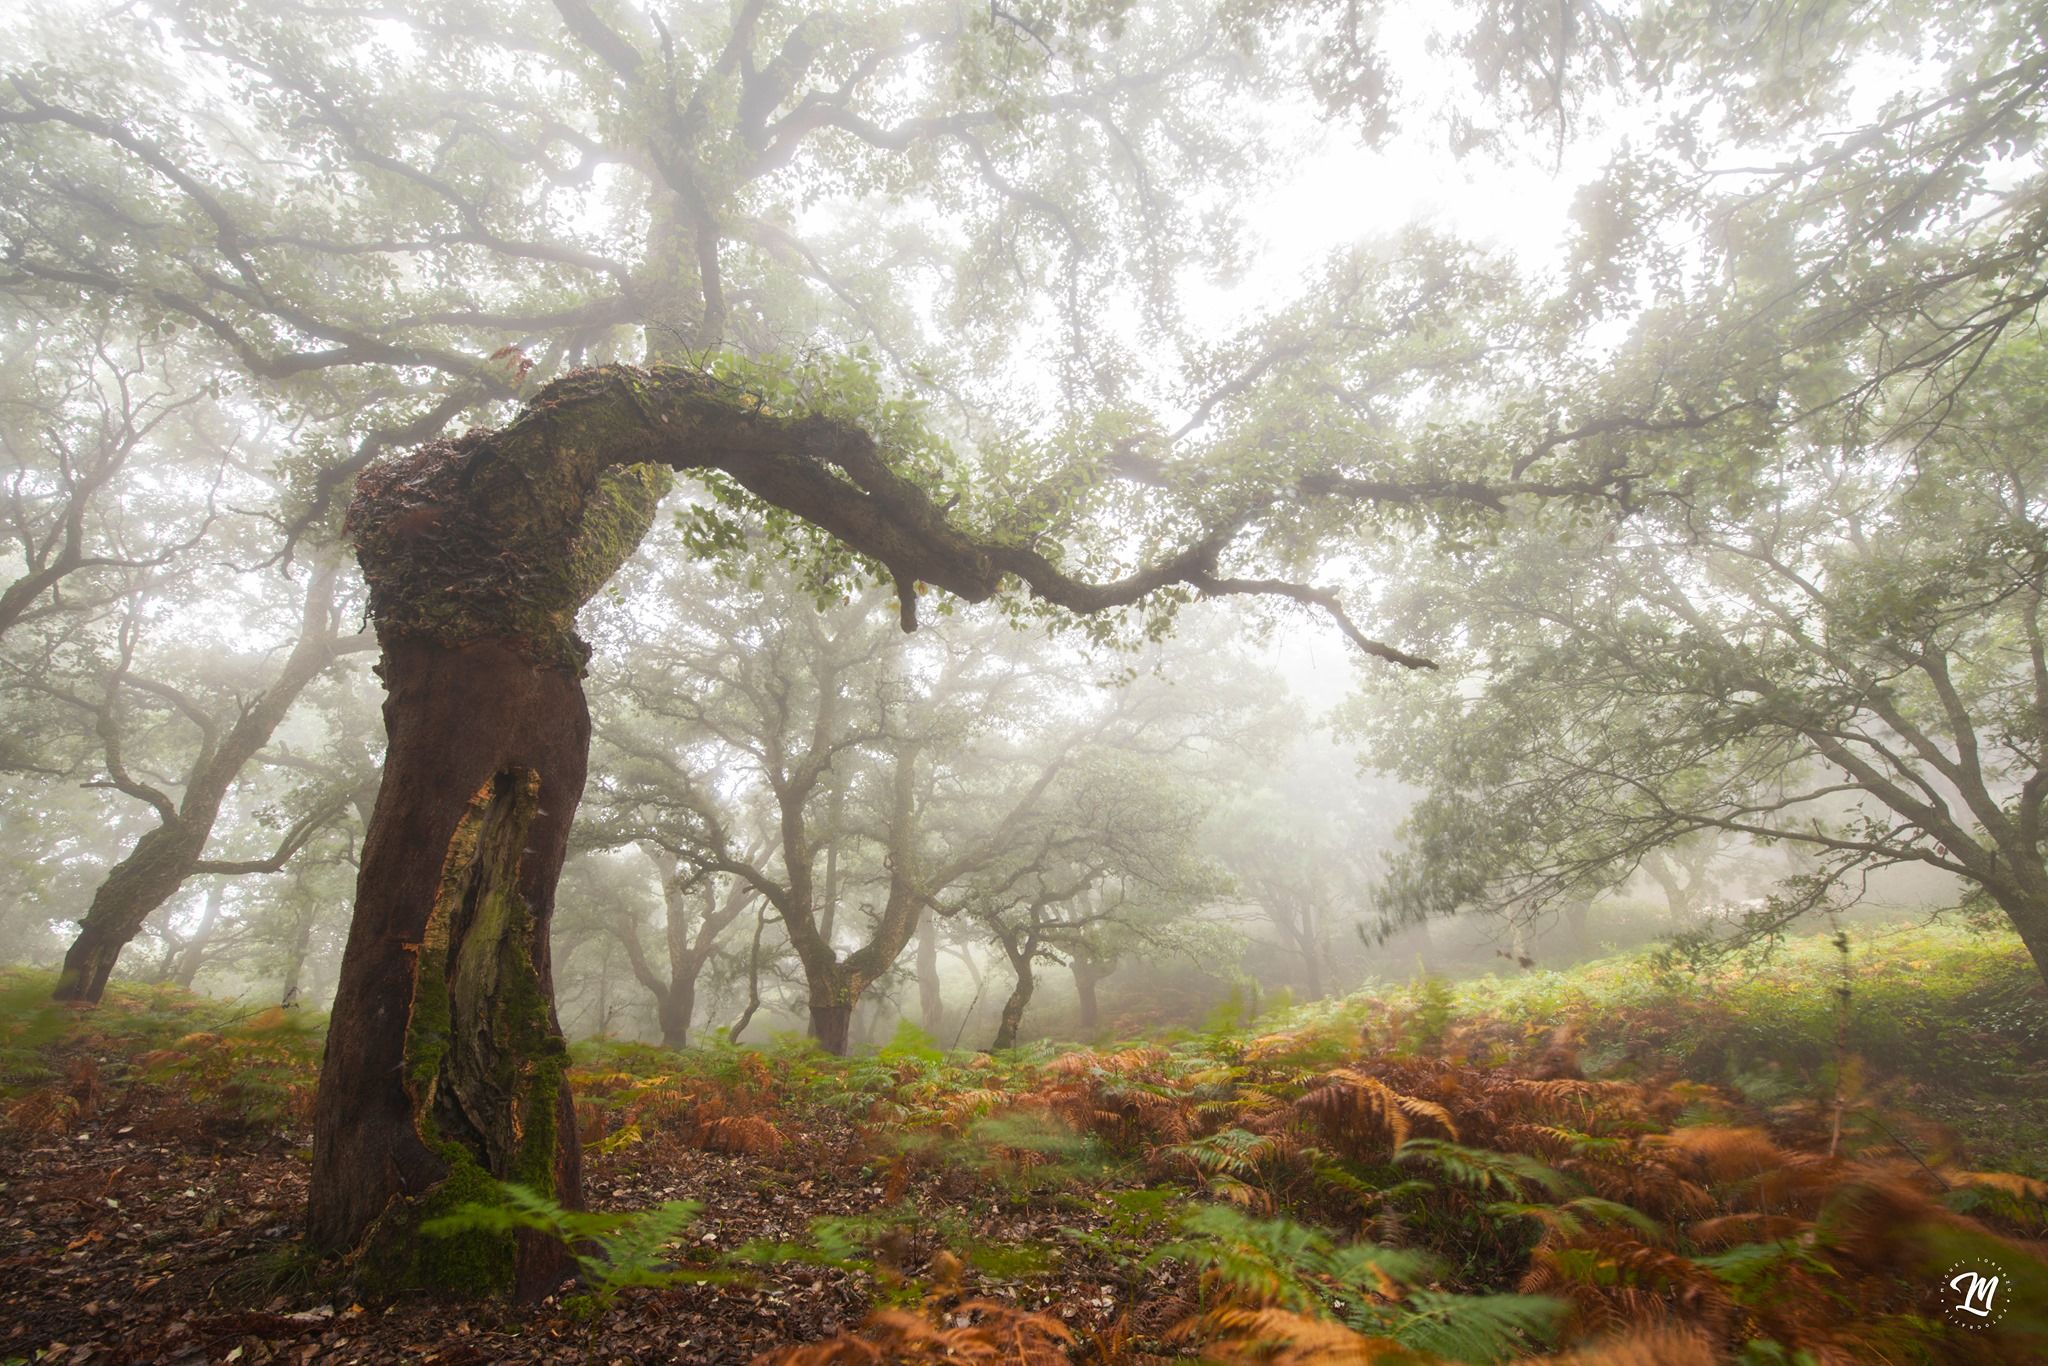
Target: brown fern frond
x: 45, y: 1110
x: 1615, y: 1281
x: 976, y: 1330
x: 2012, y: 1183
x: 1658, y: 1347
x: 1718, y: 1154
x: 755, y: 1073
x: 1649, y: 1186
x: 1729, y: 1229
x: 666, y: 1106
x: 1541, y: 1140
x: 748, y: 1135
x: 1279, y: 1338
x: 963, y: 1106
x: 1121, y: 1063
x: 1360, y: 1112
x: 1878, y: 1221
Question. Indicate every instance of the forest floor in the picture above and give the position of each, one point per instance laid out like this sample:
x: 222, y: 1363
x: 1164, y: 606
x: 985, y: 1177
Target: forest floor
x: 1616, y: 1163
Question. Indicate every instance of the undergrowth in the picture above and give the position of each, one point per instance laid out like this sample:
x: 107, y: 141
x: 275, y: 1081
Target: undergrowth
x: 1613, y: 1164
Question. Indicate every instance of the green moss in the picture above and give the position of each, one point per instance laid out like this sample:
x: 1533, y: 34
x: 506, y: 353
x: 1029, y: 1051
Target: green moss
x: 396, y: 1257
x: 480, y: 1044
x: 502, y: 536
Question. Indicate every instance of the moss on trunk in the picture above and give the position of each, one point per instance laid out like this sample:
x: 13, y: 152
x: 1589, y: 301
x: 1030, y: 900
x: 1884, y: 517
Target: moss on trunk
x: 485, y: 1069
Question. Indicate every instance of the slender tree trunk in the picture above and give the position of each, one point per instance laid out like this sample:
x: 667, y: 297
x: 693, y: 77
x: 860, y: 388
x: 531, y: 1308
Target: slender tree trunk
x: 867, y: 1020
x: 1312, y: 954
x: 2029, y: 917
x: 753, y: 975
x: 148, y: 877
x: 295, y: 961
x: 1087, y: 973
x: 1575, y: 913
x: 446, y: 1066
x: 1012, y: 1022
x: 834, y: 818
x: 193, y: 955
x: 931, y: 1005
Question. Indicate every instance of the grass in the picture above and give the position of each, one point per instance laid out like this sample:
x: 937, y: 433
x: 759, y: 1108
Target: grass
x: 1941, y: 1019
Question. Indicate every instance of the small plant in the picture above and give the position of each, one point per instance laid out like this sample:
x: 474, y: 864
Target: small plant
x: 1435, y: 1008
x: 612, y: 1251
x: 1284, y: 1291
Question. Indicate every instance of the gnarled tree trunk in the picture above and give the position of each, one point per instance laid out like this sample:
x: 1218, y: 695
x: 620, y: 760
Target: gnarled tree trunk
x: 1012, y: 1022
x: 1021, y: 949
x: 445, y: 1062
x: 1087, y: 974
x: 444, y: 1069
x: 192, y: 956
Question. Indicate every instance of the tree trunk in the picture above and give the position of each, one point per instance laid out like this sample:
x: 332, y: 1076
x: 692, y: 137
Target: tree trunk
x: 753, y: 975
x: 193, y: 956
x: 168, y: 854
x: 1575, y: 913
x: 1013, y: 1010
x: 445, y: 1065
x: 1086, y: 974
x: 931, y: 1006
x: 1312, y: 953
x: 295, y: 960
x: 151, y: 875
x: 674, y: 1010
x: 831, y: 1025
x: 2029, y: 917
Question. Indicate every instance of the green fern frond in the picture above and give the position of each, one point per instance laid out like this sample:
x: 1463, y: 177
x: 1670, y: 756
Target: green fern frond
x: 1476, y: 1328
x: 1483, y: 1169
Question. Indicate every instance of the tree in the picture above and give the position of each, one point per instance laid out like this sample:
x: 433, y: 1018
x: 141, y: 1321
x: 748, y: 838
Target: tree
x: 175, y: 848
x: 83, y: 401
x: 886, y: 765
x: 692, y: 936
x: 1851, y: 663
x: 1113, y: 850
x: 1300, y: 840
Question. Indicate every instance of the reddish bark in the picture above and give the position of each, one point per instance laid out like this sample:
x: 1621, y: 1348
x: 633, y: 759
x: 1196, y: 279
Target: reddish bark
x: 457, y: 718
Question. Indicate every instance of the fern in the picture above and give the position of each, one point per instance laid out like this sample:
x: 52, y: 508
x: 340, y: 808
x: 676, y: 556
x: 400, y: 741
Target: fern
x: 612, y: 1251
x: 1482, y: 1170
x: 1476, y: 1328
x: 1229, y: 1152
x: 1572, y: 1217
x: 1283, y: 1264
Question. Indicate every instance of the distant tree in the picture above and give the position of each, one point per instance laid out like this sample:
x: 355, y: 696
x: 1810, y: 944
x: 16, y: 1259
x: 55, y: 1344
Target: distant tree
x: 697, y: 910
x: 1114, y: 854
x: 79, y: 401
x: 1302, y: 840
x: 226, y: 728
x: 1852, y: 663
